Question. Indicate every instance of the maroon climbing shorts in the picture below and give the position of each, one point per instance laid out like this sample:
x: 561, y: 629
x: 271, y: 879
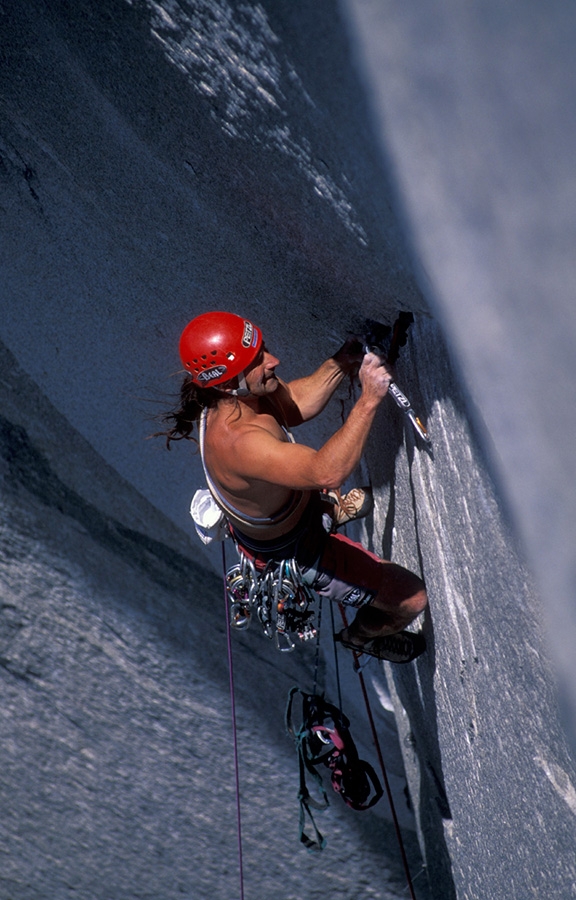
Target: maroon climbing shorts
x: 346, y: 572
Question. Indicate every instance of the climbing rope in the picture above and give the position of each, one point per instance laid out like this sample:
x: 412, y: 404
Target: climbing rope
x: 336, y: 663
x: 317, y: 654
x: 234, y: 729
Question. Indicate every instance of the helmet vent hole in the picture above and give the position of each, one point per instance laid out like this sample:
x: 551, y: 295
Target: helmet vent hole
x: 230, y: 356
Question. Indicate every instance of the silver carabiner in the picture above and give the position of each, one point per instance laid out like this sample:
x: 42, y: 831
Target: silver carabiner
x: 251, y: 578
x: 235, y: 584
x: 289, y: 642
x: 239, y: 616
x: 276, y: 594
x: 294, y: 570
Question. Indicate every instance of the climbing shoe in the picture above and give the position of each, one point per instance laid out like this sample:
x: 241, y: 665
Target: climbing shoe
x: 356, y: 504
x: 402, y: 647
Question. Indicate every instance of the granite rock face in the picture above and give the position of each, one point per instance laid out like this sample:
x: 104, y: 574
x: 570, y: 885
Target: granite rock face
x: 470, y: 108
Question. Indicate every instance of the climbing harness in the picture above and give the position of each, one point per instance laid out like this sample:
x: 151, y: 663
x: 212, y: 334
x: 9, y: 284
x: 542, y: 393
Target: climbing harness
x: 276, y: 596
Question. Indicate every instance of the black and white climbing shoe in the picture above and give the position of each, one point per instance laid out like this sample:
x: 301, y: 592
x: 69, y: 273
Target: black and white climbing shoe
x: 402, y: 647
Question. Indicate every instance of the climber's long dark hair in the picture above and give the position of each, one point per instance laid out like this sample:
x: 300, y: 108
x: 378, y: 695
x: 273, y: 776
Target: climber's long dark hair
x: 185, y: 415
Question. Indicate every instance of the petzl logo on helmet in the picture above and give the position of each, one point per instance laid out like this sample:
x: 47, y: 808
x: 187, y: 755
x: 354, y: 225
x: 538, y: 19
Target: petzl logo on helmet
x: 248, y: 332
x: 212, y: 374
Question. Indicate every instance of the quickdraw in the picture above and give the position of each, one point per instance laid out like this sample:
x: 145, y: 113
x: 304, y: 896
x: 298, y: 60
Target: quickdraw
x: 377, y: 338
x: 276, y: 596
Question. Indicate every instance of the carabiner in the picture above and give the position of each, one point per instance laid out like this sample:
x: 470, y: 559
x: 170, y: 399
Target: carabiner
x: 289, y: 642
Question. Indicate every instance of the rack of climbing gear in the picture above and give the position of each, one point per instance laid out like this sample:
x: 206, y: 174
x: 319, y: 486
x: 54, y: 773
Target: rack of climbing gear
x: 323, y: 738
x: 276, y: 596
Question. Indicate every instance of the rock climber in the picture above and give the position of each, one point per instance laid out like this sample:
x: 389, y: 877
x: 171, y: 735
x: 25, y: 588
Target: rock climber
x: 274, y: 491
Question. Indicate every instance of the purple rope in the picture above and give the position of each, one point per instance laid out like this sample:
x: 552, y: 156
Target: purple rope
x: 234, y: 731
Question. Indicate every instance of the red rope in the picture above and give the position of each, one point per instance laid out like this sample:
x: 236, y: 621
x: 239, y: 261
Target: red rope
x: 234, y: 730
x: 381, y: 761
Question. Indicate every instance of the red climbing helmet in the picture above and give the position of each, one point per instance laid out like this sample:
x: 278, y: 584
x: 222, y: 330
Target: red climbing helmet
x: 218, y: 346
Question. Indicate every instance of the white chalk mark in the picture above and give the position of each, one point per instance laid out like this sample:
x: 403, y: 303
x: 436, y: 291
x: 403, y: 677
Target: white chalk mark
x: 560, y: 781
